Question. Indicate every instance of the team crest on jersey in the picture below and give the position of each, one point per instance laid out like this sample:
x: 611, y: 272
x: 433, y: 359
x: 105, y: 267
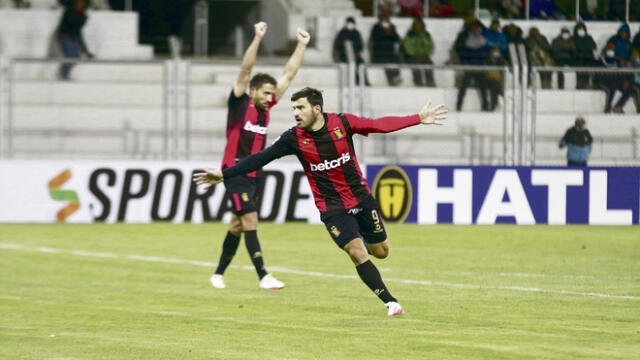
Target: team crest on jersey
x: 245, y: 197
x: 334, y: 231
x: 305, y: 142
x: 338, y: 132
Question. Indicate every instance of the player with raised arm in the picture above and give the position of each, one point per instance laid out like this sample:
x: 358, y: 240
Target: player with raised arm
x: 247, y: 122
x: 323, y: 143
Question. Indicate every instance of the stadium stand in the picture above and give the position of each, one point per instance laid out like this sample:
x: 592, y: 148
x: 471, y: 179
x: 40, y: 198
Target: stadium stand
x: 116, y: 110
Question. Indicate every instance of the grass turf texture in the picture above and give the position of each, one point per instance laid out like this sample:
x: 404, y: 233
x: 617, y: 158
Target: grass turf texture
x: 61, y: 305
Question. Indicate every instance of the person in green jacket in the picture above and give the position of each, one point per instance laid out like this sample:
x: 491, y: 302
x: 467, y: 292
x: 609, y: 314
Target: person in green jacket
x: 417, y: 48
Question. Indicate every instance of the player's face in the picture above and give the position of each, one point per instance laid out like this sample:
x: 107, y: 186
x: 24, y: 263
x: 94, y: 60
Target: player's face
x: 262, y: 96
x: 304, y: 113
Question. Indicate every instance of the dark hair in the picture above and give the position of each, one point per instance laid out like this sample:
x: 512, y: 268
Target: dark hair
x: 260, y: 79
x: 314, y: 96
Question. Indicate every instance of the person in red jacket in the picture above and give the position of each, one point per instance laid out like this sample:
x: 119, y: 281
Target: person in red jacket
x: 323, y: 143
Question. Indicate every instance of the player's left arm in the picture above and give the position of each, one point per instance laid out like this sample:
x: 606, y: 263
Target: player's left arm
x: 291, y: 69
x: 428, y: 116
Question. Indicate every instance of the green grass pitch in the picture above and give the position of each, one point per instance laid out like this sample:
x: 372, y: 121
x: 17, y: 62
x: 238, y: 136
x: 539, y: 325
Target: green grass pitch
x: 470, y: 292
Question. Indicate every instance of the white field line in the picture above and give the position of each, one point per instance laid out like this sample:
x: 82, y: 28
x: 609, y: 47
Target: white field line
x: 48, y: 250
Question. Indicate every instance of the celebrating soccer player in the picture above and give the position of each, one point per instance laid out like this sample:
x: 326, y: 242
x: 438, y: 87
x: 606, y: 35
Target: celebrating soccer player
x: 323, y: 143
x: 247, y: 122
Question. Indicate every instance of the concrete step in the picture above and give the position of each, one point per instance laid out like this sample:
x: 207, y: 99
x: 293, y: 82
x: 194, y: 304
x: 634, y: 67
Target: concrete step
x: 58, y: 93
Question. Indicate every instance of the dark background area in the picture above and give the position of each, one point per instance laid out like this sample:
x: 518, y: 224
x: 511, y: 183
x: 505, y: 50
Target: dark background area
x: 161, y: 18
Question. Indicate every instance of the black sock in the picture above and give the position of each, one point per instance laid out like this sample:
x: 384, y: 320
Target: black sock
x: 229, y: 247
x: 253, y: 247
x: 371, y: 276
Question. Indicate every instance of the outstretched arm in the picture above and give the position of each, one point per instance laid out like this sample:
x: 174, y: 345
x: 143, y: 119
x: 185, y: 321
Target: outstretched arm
x: 291, y: 69
x: 249, y: 164
x: 249, y: 59
x: 427, y: 116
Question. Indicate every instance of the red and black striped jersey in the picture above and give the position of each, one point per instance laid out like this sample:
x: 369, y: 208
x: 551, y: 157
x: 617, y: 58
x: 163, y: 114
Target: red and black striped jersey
x: 246, y: 129
x: 328, y: 157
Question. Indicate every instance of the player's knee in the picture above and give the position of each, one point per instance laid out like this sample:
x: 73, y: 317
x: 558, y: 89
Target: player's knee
x: 235, y: 228
x: 381, y: 251
x: 357, y: 252
x: 250, y: 221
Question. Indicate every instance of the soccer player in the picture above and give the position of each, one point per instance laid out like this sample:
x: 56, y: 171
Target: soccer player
x: 323, y: 143
x: 247, y: 122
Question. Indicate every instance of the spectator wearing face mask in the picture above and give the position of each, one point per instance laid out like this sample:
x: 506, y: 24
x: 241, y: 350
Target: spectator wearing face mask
x: 585, y: 54
x: 563, y: 51
x: 611, y: 82
x: 384, y: 43
x: 622, y: 41
x: 349, y: 33
x: 578, y: 141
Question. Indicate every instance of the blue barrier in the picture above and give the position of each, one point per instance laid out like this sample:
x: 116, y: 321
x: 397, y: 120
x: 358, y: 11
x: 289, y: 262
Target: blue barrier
x: 521, y: 195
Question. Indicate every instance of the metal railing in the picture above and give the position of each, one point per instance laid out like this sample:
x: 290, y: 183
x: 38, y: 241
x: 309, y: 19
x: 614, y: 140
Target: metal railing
x: 166, y: 132
x: 172, y: 91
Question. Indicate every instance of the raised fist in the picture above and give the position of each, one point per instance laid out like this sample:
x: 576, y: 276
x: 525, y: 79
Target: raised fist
x: 303, y: 36
x: 260, y: 29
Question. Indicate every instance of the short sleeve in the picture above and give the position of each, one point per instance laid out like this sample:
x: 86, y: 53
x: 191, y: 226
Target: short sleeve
x: 234, y: 101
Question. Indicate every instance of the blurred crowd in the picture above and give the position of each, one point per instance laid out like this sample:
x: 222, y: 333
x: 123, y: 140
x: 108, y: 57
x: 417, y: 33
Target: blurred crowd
x: 605, y: 10
x: 479, y: 45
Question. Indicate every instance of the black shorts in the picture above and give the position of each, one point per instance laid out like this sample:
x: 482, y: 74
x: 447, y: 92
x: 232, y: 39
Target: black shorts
x: 241, y: 191
x: 363, y: 221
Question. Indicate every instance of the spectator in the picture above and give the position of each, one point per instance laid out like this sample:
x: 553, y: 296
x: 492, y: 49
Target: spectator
x: 384, y: 42
x: 636, y: 41
x: 578, y: 141
x: 495, y: 37
x: 513, y: 34
x: 543, y: 9
x: 617, y: 10
x: 593, y: 9
x: 492, y: 6
x: 566, y: 9
x: 539, y: 54
x: 585, y: 54
x: 349, y: 33
x: 463, y: 8
x: 417, y: 48
x: 69, y: 35
x: 412, y: 8
x: 511, y: 9
x: 471, y: 47
x: 622, y: 41
x: 495, y: 78
x: 440, y: 8
x: 634, y: 85
x: 563, y: 51
x: 611, y: 81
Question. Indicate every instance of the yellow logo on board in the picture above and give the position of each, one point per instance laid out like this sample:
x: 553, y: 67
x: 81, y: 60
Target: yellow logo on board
x: 393, y: 191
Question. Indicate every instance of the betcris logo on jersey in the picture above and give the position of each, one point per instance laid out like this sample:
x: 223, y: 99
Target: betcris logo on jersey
x: 331, y: 164
x: 255, y: 128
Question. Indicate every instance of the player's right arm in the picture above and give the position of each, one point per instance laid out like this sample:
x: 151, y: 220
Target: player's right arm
x: 249, y: 164
x: 249, y: 59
